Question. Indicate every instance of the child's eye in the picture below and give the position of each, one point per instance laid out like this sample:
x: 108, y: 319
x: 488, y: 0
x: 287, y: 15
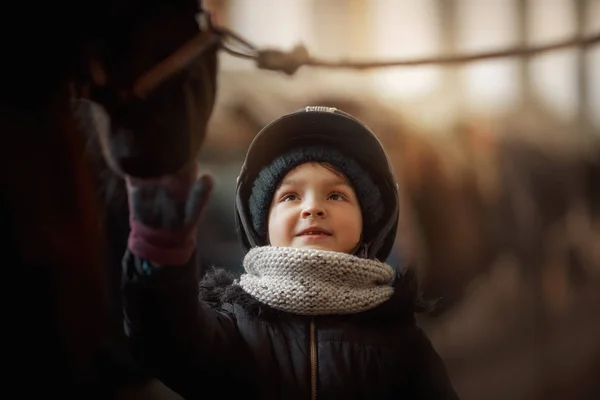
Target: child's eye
x: 289, y: 197
x: 337, y: 197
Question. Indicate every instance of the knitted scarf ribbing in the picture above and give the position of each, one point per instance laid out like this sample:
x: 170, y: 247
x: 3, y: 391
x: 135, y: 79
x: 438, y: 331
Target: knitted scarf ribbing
x: 315, y: 282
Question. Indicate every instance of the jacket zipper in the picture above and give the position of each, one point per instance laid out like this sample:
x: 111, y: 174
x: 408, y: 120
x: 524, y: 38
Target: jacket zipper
x: 313, y: 360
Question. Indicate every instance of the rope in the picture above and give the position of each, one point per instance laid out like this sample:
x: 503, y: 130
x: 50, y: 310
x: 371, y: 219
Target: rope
x: 290, y: 61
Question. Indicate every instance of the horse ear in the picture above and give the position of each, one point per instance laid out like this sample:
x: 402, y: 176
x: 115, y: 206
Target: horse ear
x: 195, y: 5
x: 89, y: 69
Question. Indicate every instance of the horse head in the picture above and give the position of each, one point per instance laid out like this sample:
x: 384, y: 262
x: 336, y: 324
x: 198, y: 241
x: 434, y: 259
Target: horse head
x: 147, y: 85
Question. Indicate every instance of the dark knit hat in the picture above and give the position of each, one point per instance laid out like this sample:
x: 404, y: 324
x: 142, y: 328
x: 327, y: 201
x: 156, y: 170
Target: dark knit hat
x: 319, y: 134
x: 269, y: 177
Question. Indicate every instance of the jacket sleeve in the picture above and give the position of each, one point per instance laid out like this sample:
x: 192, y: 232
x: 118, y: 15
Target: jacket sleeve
x: 430, y: 378
x: 183, y: 342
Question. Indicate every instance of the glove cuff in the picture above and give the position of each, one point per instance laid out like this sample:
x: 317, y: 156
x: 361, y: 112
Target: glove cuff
x: 162, y: 246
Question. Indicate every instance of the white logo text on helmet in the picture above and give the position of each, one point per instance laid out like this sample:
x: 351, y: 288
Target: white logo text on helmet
x: 320, y: 109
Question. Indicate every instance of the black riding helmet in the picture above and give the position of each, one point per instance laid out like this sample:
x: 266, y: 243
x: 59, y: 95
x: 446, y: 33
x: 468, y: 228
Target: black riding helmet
x: 332, y: 128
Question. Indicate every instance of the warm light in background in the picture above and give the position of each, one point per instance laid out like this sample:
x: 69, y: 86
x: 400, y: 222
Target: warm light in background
x: 269, y: 23
x: 483, y: 26
x: 404, y: 29
x: 394, y: 29
x: 554, y: 75
x: 593, y: 26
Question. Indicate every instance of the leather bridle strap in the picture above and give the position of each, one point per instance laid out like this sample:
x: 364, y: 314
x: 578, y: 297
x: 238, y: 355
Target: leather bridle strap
x: 178, y: 60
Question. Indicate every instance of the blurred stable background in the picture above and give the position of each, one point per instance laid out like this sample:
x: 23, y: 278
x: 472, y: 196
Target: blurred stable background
x: 498, y: 163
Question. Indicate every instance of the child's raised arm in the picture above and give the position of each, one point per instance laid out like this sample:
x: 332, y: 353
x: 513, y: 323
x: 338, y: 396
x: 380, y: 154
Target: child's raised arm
x: 185, y: 343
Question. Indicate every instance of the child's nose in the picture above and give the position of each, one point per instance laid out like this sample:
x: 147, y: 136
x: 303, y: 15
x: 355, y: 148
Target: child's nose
x: 313, y: 209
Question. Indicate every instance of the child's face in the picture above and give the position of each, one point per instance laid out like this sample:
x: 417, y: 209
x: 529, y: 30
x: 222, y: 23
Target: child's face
x: 315, y: 208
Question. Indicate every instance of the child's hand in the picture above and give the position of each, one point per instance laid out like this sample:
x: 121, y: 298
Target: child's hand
x: 164, y: 215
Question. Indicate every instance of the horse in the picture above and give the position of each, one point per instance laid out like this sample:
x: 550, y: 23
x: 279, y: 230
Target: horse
x: 146, y: 71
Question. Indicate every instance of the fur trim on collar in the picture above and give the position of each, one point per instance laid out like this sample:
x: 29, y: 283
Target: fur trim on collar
x: 217, y: 289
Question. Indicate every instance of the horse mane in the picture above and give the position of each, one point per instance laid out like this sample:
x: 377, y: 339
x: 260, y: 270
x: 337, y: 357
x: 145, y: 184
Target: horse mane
x: 58, y: 302
x: 60, y: 202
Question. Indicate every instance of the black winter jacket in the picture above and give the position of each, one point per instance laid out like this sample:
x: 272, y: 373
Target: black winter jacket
x: 213, y: 337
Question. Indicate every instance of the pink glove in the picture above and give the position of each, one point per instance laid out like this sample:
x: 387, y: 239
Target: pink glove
x: 164, y: 215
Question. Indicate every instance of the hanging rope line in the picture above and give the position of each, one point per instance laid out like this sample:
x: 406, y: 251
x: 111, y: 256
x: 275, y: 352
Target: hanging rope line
x: 290, y: 61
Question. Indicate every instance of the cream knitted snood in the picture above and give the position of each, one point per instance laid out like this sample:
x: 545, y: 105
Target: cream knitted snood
x: 315, y: 282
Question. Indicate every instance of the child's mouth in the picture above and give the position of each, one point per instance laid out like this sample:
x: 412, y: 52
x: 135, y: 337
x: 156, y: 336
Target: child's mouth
x: 313, y: 234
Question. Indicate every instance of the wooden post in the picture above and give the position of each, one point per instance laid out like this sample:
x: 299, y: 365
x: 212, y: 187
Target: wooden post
x: 452, y: 84
x: 524, y: 75
x: 583, y: 110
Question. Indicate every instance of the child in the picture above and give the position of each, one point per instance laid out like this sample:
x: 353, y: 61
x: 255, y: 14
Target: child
x: 317, y: 313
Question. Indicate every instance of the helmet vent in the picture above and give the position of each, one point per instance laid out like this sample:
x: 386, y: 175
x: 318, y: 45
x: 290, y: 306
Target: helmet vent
x: 320, y: 109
